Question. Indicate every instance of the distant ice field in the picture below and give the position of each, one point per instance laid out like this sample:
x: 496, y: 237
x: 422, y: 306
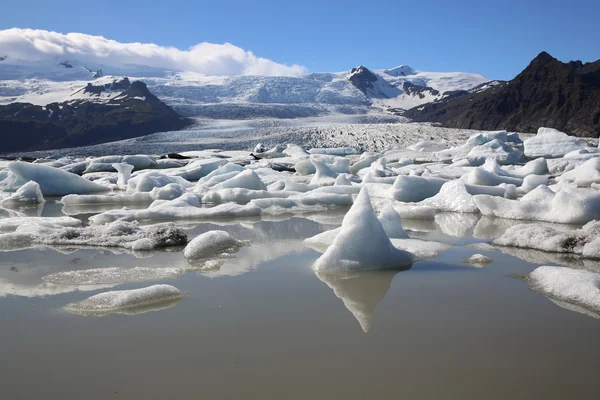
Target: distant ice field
x: 369, y: 132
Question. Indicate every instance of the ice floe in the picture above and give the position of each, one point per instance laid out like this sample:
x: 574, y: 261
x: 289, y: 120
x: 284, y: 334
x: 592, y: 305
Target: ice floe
x: 212, y: 242
x: 581, y: 289
x: 130, y: 302
x: 111, y: 275
x: 584, y: 241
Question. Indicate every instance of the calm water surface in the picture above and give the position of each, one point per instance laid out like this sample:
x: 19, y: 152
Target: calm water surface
x: 265, y: 326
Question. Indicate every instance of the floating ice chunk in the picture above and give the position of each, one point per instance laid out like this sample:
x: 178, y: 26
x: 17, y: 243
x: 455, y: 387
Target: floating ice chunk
x: 579, y: 288
x: 360, y: 292
x: 247, y: 179
x: 453, y: 197
x: 54, y: 181
x: 275, y: 152
x: 305, y: 200
x: 305, y: 167
x: 343, y: 180
x: 214, y: 180
x: 539, y: 166
x: 362, y: 243
x: 147, y: 181
x: 76, y: 168
x: 29, y: 193
x: 293, y: 186
x: 415, y: 212
x: 340, y: 166
x: 415, y: 188
x: 585, y: 174
x: 530, y: 182
x: 212, y: 242
x: 167, y: 163
x: 117, y: 234
x: 485, y: 137
x: 514, y: 138
x: 478, y: 260
x: 584, y: 153
x: 99, y: 167
x: 139, y: 161
x: 420, y: 249
x: 293, y: 150
x: 426, y: 146
x: 259, y: 148
x: 334, y: 151
x: 127, y: 301
x: 124, y: 171
x: 226, y: 169
x: 568, y: 206
x: 176, y: 210
x: 370, y: 178
x: 379, y: 168
x: 241, y: 196
x: 365, y: 161
x: 324, y: 175
x: 10, y: 224
x: 134, y: 198
x: 197, y: 169
x: 169, y: 192
x: 392, y: 223
x: 584, y: 241
x: 337, y: 189
x: 494, y: 150
x: 111, y: 275
x: 479, y: 176
x: 550, y: 143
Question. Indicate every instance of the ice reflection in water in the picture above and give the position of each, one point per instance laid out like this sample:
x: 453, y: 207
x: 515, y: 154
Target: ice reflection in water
x: 360, y: 292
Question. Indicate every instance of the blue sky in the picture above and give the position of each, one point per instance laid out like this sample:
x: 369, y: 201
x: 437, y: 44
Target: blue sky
x: 496, y: 39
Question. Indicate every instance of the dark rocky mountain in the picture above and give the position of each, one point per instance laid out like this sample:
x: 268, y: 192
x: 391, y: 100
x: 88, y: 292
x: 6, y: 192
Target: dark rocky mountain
x: 362, y: 78
x: 417, y: 90
x: 130, y: 111
x: 565, y: 96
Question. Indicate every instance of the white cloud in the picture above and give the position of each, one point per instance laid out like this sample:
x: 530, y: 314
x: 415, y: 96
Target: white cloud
x: 204, y: 58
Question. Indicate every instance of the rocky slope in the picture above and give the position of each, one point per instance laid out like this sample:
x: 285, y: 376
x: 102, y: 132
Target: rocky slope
x: 565, y: 96
x: 96, y: 114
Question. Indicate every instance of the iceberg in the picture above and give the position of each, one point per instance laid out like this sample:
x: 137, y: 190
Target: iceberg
x: 415, y: 188
x: 29, y: 193
x: 53, y: 181
x: 494, y: 150
x: 362, y: 243
x: 551, y: 143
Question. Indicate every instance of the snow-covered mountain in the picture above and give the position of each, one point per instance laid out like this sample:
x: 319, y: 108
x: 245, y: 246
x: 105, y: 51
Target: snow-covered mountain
x: 358, y: 91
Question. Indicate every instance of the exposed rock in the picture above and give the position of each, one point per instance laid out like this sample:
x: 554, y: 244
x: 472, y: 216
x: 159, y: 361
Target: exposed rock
x: 133, y: 112
x: 565, y: 96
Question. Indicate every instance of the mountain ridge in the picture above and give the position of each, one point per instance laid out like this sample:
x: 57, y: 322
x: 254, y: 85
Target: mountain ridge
x: 547, y: 92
